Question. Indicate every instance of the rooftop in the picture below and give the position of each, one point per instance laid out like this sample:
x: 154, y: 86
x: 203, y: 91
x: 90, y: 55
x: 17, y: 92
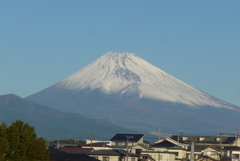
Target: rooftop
x: 112, y: 152
x: 130, y: 137
x: 166, y: 144
x: 205, y: 139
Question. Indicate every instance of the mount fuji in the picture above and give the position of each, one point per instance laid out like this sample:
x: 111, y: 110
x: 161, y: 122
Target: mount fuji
x: 126, y: 90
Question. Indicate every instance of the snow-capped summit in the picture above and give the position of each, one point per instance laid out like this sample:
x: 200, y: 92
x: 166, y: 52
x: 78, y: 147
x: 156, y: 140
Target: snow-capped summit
x: 128, y: 74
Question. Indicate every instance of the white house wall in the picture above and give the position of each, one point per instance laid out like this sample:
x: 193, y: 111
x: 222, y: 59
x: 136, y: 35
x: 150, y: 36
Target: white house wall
x: 114, y: 158
x: 181, y: 153
x: 161, y: 156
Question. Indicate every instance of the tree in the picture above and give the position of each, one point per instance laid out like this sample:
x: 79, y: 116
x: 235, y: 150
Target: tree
x: 3, y: 141
x: 21, y: 143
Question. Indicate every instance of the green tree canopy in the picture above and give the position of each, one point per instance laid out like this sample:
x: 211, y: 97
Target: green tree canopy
x: 3, y: 141
x: 19, y: 142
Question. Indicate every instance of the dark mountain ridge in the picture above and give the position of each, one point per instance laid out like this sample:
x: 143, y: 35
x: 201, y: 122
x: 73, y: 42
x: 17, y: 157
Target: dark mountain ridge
x: 55, y: 124
x: 144, y: 114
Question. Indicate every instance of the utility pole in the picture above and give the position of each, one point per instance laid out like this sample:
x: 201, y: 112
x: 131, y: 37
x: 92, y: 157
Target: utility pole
x: 58, y: 146
x: 238, y: 132
x: 127, y: 143
x: 192, y: 151
x: 178, y: 135
x: 237, y: 136
x: 91, y: 139
x: 159, y: 133
x: 221, y: 146
x: 77, y: 141
x: 48, y: 139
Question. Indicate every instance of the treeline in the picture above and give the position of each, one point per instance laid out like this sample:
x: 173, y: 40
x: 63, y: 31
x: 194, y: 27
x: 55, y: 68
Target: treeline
x: 19, y: 142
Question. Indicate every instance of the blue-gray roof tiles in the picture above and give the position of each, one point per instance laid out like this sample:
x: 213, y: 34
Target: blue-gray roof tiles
x: 112, y: 152
x: 130, y: 137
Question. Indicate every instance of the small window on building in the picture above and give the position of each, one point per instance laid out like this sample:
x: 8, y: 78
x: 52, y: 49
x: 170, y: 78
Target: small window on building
x: 145, y: 157
x: 235, y: 156
x: 212, y: 153
x: 160, y: 158
x: 138, y: 151
x: 119, y: 144
x: 121, y: 159
x: 105, y: 158
x: 224, y: 153
x: 133, y: 159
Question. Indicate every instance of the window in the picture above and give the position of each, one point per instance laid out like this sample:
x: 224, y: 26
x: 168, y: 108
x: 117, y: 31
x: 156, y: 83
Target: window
x: 212, y: 153
x: 160, y: 157
x: 119, y: 144
x: 224, y: 153
x: 145, y: 157
x: 138, y: 151
x: 105, y: 158
x: 176, y: 153
x: 133, y: 159
x: 121, y: 159
x: 235, y: 156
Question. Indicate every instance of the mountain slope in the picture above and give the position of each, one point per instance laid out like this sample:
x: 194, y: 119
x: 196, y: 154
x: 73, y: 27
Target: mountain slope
x: 127, y: 90
x: 126, y: 73
x: 52, y: 123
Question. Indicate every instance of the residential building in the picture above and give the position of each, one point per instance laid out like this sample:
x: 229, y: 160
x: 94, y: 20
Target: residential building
x: 97, y: 146
x: 158, y: 156
x: 212, y: 153
x: 167, y: 146
x: 208, y: 140
x: 63, y: 156
x: 75, y: 150
x: 114, y: 155
x: 231, y: 152
x: 133, y: 143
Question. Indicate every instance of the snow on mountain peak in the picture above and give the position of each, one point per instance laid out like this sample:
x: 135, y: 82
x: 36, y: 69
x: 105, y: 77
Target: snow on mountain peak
x: 128, y: 74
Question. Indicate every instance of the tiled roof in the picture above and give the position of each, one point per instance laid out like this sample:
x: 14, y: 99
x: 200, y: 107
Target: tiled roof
x: 235, y: 148
x: 166, y: 144
x: 207, y: 139
x: 97, y: 145
x: 215, y: 148
x: 228, y: 140
x: 75, y: 150
x: 63, y: 156
x: 123, y: 137
x: 112, y: 152
x: 158, y: 152
x: 200, y: 147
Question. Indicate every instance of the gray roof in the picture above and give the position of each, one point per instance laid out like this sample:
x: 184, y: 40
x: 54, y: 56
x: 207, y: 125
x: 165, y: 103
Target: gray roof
x: 231, y: 148
x: 76, y: 150
x: 131, y: 137
x: 207, y: 139
x: 63, y: 156
x: 112, y: 152
x: 97, y: 145
x: 166, y: 144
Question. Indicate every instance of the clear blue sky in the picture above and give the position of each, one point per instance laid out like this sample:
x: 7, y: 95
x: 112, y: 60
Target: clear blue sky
x: 198, y: 42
